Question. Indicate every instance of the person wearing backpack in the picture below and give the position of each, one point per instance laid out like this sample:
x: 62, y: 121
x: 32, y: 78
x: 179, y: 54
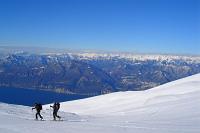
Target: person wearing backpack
x: 55, y: 107
x: 38, y: 108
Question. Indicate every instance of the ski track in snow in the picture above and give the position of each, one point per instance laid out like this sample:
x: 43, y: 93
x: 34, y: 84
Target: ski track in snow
x: 170, y: 108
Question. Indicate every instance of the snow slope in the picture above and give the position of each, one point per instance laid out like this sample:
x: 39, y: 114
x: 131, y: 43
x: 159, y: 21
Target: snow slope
x: 125, y: 102
x: 170, y: 108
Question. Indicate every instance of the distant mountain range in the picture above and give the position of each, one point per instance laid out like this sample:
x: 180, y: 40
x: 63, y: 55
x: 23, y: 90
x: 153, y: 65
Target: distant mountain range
x: 92, y: 73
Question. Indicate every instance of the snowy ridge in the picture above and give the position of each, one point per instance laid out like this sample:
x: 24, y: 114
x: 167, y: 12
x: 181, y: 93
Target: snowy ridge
x: 121, y: 102
x: 95, y: 54
x: 89, y: 55
x: 141, y: 57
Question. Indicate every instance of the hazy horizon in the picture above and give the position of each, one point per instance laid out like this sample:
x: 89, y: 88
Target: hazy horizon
x: 42, y: 49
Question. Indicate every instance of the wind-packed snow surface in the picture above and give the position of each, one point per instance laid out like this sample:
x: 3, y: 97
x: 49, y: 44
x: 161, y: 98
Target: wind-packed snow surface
x: 170, y: 108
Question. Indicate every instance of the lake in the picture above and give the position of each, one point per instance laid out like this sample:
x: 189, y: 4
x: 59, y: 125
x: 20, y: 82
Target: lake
x: 28, y: 97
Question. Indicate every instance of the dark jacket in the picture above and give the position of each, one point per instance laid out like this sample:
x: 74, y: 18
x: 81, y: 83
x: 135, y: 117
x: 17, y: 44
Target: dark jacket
x: 56, y: 106
x: 38, y: 107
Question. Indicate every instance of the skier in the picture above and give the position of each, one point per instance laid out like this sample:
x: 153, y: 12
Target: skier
x: 55, y: 107
x: 38, y: 108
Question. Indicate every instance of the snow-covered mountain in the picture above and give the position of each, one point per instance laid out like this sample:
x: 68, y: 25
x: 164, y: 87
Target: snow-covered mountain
x: 92, y: 73
x: 170, y: 108
x: 135, y: 56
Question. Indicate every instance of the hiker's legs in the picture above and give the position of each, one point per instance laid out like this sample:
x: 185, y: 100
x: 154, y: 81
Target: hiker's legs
x: 38, y: 113
x: 58, y: 116
x: 36, y: 117
x: 40, y: 116
x: 54, y: 115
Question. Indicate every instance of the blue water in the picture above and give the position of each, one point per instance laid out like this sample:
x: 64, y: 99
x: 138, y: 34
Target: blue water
x: 29, y: 97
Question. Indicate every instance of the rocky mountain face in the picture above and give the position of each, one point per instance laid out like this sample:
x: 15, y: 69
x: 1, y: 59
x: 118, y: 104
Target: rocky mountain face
x: 54, y: 73
x: 73, y: 73
x: 142, y: 75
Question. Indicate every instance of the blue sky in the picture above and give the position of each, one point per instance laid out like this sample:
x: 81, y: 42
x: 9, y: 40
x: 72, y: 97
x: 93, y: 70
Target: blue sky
x: 148, y: 26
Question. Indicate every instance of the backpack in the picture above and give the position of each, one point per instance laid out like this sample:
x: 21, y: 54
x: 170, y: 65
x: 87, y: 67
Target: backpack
x: 58, y: 106
x: 39, y: 106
